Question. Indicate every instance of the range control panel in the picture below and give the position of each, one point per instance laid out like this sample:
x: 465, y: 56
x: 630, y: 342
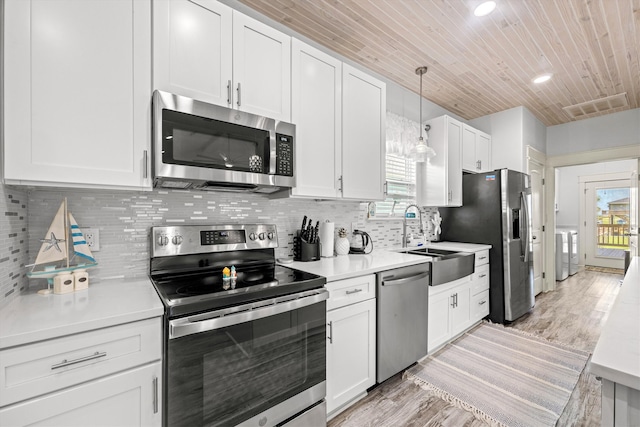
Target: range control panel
x: 196, y: 239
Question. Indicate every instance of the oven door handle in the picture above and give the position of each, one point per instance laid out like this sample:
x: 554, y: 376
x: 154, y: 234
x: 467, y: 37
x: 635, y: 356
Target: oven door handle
x: 244, y: 313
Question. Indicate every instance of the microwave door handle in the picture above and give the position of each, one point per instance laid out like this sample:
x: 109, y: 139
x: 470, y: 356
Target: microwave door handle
x: 272, y: 150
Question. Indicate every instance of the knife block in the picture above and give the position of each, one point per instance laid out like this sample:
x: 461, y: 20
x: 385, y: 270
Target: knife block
x: 304, y: 251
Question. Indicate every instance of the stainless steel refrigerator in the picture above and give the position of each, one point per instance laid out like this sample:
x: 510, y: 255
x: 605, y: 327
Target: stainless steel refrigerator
x: 496, y: 211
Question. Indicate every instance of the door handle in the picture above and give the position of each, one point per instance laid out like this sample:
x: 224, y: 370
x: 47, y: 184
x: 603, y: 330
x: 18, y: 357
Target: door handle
x: 66, y: 362
x: 406, y: 279
x: 155, y: 395
x: 228, y: 92
x: 355, y: 291
x: 239, y: 94
x: 145, y: 161
x: 330, y: 337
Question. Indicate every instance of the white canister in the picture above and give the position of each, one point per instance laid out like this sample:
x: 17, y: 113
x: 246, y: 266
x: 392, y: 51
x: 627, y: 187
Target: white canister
x: 327, y: 230
x: 342, y: 243
x: 63, y: 283
x: 81, y: 279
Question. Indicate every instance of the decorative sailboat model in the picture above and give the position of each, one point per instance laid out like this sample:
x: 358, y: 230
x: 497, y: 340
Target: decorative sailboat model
x: 64, y: 243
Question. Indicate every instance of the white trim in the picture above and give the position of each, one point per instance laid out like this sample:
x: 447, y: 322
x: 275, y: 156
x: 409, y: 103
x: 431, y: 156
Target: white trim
x: 582, y: 226
x: 595, y: 156
x: 613, y: 176
x: 573, y: 159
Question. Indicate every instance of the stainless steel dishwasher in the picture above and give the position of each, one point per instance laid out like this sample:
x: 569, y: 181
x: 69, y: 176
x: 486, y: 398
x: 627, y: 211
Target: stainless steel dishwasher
x: 402, y: 303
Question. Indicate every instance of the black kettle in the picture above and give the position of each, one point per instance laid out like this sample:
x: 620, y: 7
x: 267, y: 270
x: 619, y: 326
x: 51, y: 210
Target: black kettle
x: 367, y: 243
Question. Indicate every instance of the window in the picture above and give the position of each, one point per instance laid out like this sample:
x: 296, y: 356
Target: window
x: 402, y: 134
x: 401, y: 186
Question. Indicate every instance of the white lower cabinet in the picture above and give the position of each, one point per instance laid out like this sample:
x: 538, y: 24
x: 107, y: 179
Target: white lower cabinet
x: 456, y: 306
x: 449, y: 311
x: 111, y: 376
x: 130, y: 398
x: 351, y: 341
x: 620, y: 405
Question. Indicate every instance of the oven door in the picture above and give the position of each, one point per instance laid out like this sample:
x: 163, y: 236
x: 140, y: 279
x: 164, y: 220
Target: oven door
x: 257, y: 364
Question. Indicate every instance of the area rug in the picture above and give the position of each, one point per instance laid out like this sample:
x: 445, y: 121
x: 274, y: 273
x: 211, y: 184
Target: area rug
x: 504, y: 376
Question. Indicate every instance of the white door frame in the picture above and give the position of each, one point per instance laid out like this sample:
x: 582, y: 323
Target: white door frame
x: 573, y: 159
x: 582, y: 225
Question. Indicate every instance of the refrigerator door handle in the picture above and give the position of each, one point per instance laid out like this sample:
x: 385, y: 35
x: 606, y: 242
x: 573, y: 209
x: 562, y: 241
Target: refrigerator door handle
x: 524, y: 225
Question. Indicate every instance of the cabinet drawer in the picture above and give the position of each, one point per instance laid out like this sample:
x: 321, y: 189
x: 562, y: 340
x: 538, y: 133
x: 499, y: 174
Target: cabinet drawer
x: 479, y: 305
x: 482, y: 257
x: 349, y: 291
x: 35, y: 369
x: 480, y: 281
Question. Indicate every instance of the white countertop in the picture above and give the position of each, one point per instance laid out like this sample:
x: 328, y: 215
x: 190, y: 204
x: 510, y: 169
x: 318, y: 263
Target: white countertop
x: 32, y: 317
x: 345, y: 266
x: 617, y: 353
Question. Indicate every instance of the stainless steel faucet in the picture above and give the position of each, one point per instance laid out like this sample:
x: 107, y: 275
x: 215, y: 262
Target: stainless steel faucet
x: 404, y: 223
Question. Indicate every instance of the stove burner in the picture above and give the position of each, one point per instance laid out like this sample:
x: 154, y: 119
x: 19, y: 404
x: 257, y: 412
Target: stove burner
x: 252, y: 277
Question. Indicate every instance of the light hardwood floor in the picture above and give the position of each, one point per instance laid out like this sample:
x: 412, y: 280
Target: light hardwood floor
x: 573, y: 314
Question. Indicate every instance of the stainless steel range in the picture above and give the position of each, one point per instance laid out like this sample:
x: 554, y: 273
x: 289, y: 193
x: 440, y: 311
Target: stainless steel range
x: 245, y: 339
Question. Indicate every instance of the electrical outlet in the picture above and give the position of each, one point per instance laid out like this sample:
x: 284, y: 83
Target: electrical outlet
x: 92, y: 237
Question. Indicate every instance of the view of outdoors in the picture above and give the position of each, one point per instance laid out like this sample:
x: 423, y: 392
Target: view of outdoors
x: 612, y: 221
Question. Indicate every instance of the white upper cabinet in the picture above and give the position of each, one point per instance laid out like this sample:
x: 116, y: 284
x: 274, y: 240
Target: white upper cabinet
x: 363, y: 135
x: 77, y: 93
x: 207, y: 51
x: 476, y: 150
x: 261, y: 69
x: 193, y: 49
x: 339, y: 113
x: 439, y: 180
x: 317, y: 113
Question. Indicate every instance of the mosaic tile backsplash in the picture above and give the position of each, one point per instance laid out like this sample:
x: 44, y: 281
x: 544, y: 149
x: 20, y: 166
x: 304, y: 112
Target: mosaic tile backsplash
x: 14, y: 242
x: 124, y: 219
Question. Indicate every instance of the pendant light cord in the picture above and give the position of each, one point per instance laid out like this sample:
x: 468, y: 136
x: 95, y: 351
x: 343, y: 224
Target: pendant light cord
x: 421, y: 71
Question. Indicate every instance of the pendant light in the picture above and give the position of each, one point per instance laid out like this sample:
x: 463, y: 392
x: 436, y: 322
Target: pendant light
x: 422, y: 152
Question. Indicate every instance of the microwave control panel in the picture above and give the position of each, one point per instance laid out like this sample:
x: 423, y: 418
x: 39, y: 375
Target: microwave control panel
x: 284, y: 155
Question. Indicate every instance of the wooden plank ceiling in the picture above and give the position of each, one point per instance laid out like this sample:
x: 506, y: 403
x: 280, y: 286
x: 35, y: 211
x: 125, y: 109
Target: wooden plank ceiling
x: 478, y: 66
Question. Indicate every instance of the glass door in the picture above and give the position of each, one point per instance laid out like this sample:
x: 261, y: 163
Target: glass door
x: 607, y: 223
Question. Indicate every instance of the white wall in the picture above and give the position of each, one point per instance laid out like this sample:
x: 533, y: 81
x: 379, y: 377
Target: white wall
x: 568, y: 186
x: 511, y: 131
x: 613, y: 130
x: 534, y: 133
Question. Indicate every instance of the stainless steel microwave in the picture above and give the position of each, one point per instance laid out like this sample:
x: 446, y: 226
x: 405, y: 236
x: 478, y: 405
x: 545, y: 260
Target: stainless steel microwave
x: 202, y: 146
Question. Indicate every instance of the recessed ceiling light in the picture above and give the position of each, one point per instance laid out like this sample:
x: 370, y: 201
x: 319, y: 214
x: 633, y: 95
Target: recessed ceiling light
x: 542, y: 78
x: 485, y: 8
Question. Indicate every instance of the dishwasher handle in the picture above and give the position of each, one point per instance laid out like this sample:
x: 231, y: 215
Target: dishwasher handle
x: 406, y: 279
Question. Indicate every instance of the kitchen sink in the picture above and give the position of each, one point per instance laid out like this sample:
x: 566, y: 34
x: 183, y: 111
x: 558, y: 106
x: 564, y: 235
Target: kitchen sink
x: 446, y: 266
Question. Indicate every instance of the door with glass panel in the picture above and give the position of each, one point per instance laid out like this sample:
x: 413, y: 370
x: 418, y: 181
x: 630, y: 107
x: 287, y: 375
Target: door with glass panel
x: 607, y: 222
